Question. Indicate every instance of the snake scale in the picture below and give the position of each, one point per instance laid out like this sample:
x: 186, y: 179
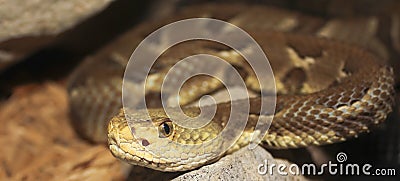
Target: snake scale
x: 328, y: 90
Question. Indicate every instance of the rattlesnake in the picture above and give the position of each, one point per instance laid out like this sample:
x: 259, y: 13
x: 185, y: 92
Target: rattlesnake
x: 340, y: 91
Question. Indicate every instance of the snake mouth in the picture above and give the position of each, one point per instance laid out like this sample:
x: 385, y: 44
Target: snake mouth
x: 125, y: 146
x: 134, y: 155
x: 121, y: 141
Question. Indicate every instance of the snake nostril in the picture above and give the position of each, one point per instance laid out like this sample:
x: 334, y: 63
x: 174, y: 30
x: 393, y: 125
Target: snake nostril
x: 145, y: 142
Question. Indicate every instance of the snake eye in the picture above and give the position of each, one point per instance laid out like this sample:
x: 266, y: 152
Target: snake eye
x: 165, y: 128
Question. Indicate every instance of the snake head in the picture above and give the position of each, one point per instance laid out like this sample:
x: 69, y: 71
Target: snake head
x: 149, y: 138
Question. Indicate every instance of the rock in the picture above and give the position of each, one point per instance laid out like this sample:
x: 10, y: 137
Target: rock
x: 241, y: 165
x: 34, y: 24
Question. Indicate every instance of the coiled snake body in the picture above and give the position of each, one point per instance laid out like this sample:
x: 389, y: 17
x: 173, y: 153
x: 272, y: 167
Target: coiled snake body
x: 328, y: 91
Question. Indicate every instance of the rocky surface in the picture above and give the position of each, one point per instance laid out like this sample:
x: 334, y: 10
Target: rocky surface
x: 242, y: 165
x: 36, y: 23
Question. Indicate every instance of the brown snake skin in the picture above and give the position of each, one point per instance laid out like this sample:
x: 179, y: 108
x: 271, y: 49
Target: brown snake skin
x: 328, y: 91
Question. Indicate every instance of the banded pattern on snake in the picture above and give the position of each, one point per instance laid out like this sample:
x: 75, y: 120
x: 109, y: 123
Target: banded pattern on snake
x: 328, y: 91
